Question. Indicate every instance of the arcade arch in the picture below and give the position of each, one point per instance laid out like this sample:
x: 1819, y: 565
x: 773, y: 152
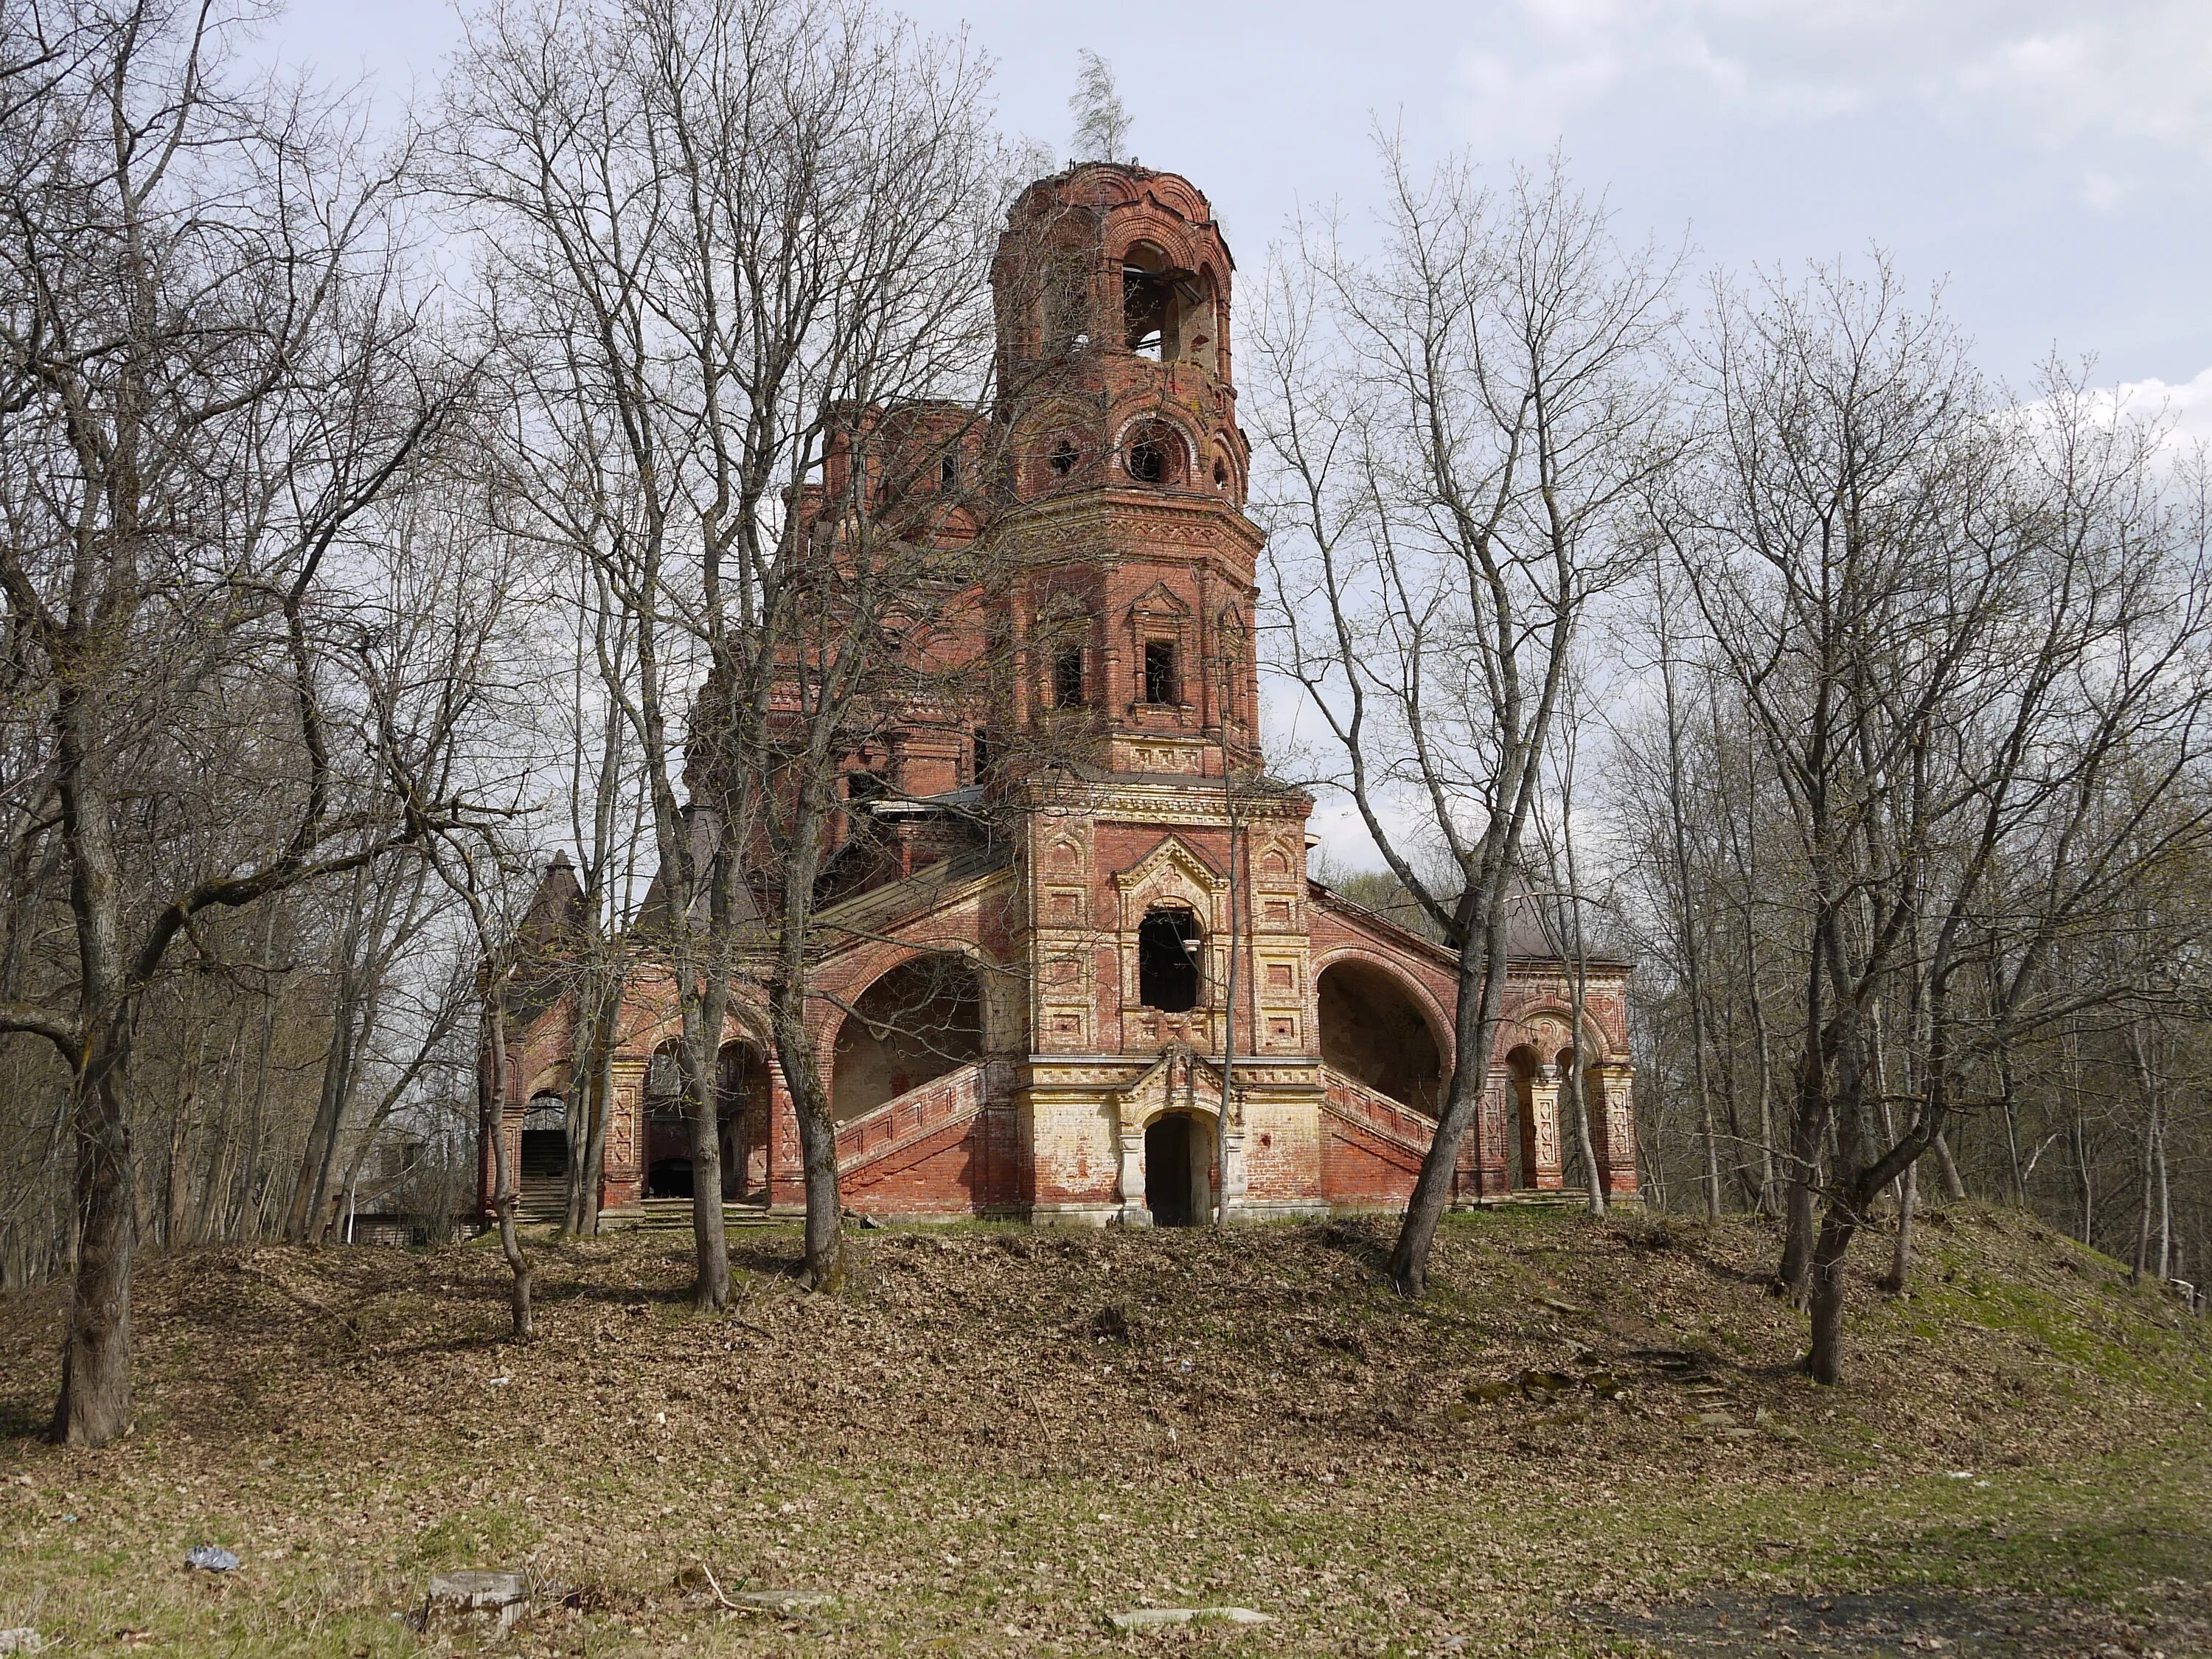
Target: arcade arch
x: 919, y: 1021
x: 1375, y: 1031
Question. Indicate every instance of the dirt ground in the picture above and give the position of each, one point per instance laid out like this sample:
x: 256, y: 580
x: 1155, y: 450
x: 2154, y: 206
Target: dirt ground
x: 1591, y: 1439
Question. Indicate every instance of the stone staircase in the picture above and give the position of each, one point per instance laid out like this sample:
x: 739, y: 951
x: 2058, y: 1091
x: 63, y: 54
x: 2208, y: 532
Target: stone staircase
x: 674, y: 1215
x: 543, y: 1201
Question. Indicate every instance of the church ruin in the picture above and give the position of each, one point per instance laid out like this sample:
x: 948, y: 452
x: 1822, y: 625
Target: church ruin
x: 1025, y: 1012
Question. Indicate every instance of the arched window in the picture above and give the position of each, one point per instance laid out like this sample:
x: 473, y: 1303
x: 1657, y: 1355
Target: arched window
x: 1168, y: 972
x: 1167, y: 312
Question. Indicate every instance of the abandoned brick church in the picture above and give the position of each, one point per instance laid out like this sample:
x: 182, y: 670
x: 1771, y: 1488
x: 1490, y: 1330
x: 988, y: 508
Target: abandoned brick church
x: 1032, y: 1022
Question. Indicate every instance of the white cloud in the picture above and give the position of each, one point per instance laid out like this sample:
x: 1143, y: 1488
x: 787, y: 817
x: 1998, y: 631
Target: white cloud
x: 2186, y: 407
x: 2052, y: 72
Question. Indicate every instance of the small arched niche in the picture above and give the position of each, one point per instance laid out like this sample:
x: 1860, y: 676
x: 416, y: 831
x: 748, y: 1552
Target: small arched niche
x: 920, y: 1020
x: 1374, y: 1031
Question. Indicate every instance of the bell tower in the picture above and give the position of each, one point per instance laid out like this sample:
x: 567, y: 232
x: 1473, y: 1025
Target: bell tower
x: 1162, y: 874
x: 1131, y: 581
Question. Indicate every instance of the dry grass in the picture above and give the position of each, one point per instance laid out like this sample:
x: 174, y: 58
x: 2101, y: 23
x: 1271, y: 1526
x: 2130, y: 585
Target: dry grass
x: 995, y: 1436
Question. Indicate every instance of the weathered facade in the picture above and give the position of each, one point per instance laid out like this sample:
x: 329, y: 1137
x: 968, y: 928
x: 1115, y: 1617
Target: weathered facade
x: 1028, y: 998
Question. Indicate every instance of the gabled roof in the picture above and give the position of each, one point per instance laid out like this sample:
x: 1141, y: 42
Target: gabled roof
x: 1531, y: 933
x: 868, y: 916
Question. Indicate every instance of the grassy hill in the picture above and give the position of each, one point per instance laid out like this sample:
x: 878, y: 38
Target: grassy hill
x: 1591, y: 1439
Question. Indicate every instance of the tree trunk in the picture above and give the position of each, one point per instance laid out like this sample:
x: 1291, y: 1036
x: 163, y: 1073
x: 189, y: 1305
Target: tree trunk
x: 1954, y: 1184
x: 710, y: 1242
x: 1481, y: 989
x: 1793, y: 1278
x: 1825, y: 1361
x: 94, y: 1404
x: 2165, y: 1212
x: 505, y: 1196
x: 1900, y: 1260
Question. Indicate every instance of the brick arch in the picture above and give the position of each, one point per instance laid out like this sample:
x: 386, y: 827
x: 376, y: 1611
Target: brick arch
x: 1387, y: 1072
x: 1152, y: 416
x: 1137, y: 1116
x: 1517, y: 1030
x: 902, y: 955
x: 551, y: 1080
x: 1153, y: 226
x: 1441, y: 1024
x: 742, y: 1021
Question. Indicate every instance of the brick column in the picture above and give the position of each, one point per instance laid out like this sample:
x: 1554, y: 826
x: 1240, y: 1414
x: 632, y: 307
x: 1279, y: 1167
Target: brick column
x: 1134, y: 1212
x: 1544, y: 1173
x: 787, y: 1165
x: 1490, y: 1131
x: 622, y: 1173
x: 1616, y: 1113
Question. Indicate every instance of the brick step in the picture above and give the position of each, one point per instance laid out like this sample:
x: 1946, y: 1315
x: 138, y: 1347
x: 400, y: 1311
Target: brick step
x: 674, y: 1215
x: 1530, y: 1198
x: 542, y: 1198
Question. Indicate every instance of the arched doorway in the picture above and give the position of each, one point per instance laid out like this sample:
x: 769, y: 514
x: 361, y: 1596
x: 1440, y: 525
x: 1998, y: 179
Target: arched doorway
x: 667, y: 1134
x: 919, y: 1021
x: 1374, y: 1032
x: 741, y: 1121
x: 1178, y: 1170
x: 542, y: 1176
x: 1523, y: 1069
x: 545, y: 1138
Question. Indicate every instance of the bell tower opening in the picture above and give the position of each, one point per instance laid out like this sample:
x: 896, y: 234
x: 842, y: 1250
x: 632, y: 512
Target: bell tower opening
x: 1166, y: 312
x: 1168, y: 946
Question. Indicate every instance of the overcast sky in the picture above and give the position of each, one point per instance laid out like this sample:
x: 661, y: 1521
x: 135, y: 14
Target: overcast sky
x: 2049, y: 160
x: 2049, y: 163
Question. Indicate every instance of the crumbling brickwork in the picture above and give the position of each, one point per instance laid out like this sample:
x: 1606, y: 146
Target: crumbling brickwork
x: 1117, y: 630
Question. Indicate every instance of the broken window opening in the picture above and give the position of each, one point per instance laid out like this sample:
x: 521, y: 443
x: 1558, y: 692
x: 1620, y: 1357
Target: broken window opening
x: 1162, y: 684
x: 1168, y: 947
x: 865, y: 785
x: 1164, y: 310
x: 1221, y: 474
x: 1063, y: 458
x: 980, y: 766
x: 948, y: 473
x: 1067, y: 677
x: 1150, y: 303
x: 1148, y: 462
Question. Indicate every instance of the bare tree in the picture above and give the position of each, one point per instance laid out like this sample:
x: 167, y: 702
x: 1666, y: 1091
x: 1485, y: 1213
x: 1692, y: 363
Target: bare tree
x: 210, y: 372
x: 1454, y: 427
x: 1963, y: 631
x: 717, y: 234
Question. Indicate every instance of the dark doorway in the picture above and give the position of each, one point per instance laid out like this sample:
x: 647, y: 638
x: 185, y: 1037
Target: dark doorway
x: 670, y: 1177
x: 1172, y: 1163
x: 1168, y: 943
x: 544, y: 1154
